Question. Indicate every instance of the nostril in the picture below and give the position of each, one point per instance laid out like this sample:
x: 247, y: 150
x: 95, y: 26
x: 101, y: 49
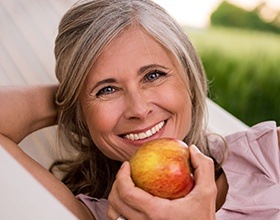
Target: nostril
x: 138, y: 112
x: 138, y: 104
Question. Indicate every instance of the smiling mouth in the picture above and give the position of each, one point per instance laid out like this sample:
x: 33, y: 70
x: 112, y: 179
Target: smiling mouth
x: 146, y: 134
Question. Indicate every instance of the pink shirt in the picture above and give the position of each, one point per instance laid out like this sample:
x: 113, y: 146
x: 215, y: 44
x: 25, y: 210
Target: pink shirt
x: 253, y: 173
x: 252, y: 169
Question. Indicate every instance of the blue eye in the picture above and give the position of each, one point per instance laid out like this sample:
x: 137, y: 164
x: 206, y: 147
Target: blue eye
x: 106, y: 91
x: 154, y: 75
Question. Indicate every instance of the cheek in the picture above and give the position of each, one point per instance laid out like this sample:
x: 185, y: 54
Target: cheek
x: 177, y: 98
x: 101, y: 119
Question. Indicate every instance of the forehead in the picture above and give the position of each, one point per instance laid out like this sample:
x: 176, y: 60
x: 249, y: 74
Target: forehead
x: 131, y: 43
x: 133, y: 35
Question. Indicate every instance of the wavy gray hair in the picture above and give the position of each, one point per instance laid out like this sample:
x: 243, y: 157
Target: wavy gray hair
x: 84, y: 32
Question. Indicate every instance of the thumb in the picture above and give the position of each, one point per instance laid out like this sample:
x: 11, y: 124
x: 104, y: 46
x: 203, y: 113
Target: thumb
x: 203, y: 167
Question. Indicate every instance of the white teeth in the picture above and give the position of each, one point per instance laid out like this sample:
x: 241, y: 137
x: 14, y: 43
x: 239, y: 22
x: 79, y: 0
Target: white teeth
x: 146, y: 134
x: 149, y: 133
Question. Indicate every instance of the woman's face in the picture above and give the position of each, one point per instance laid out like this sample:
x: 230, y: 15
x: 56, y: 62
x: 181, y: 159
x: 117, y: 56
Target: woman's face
x: 133, y: 94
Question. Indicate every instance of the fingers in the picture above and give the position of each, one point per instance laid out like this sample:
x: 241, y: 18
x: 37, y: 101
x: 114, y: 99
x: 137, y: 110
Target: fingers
x: 134, y: 203
x: 129, y: 201
x: 203, y: 167
x: 205, y: 186
x: 119, y: 199
x: 127, y: 189
x: 115, y: 203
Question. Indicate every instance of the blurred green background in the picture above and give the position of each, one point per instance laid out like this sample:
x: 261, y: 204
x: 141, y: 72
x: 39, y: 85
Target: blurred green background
x: 240, y: 52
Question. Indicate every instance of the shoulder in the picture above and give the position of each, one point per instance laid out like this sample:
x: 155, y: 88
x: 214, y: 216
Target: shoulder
x: 259, y: 143
x: 254, y: 151
x: 264, y: 130
x: 253, y: 157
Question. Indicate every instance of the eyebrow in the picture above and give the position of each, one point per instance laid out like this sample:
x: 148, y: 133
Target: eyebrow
x: 151, y: 66
x: 105, y: 81
x: 139, y: 72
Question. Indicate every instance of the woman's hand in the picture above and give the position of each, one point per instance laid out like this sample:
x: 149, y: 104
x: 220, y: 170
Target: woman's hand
x: 133, y: 203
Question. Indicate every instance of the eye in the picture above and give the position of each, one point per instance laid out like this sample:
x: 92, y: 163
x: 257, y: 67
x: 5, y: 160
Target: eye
x: 106, y: 91
x: 154, y: 75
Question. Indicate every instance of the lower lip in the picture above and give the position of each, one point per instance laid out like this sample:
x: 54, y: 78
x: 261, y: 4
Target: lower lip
x: 138, y: 143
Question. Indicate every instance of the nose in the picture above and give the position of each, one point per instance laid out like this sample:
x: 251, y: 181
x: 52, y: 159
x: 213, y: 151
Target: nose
x: 138, y: 106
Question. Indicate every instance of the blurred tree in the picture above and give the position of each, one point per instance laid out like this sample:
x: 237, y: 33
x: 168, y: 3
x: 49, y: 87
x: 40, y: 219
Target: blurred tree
x: 230, y: 15
x: 276, y: 20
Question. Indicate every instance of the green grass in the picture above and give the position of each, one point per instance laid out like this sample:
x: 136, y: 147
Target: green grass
x: 243, y: 68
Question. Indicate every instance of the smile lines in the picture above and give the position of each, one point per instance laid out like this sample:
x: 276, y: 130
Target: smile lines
x: 146, y: 134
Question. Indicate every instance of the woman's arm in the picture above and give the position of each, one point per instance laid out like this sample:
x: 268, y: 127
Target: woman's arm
x: 23, y: 111
x: 26, y: 109
x: 52, y: 184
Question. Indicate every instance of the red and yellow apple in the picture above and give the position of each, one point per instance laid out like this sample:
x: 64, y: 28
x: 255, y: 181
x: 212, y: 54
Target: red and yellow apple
x: 162, y: 168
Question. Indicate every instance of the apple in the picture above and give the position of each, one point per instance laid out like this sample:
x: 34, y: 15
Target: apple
x: 162, y: 168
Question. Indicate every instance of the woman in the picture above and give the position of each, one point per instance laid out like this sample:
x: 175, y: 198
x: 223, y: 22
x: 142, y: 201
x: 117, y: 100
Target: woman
x: 128, y: 74
x: 110, y: 106
x: 121, y: 74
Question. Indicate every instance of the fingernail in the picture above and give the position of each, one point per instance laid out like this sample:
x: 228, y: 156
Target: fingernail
x: 195, y: 148
x: 123, y: 164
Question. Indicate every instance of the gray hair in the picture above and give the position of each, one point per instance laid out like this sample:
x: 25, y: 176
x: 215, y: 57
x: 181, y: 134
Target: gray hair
x: 90, y: 25
x: 85, y: 30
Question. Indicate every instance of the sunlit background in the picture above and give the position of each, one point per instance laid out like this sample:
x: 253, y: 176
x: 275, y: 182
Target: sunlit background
x: 196, y: 13
x: 239, y: 45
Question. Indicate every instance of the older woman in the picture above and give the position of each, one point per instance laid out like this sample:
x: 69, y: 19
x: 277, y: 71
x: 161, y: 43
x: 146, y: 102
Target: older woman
x: 128, y: 74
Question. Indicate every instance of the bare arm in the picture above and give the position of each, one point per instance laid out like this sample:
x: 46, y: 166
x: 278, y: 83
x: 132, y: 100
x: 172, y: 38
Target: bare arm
x: 24, y: 110
x: 53, y: 185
